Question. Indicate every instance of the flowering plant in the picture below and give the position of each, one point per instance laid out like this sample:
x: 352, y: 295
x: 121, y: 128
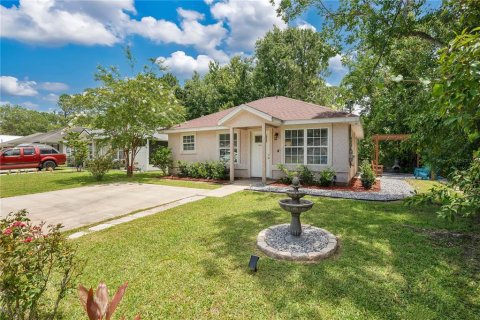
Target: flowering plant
x: 37, y: 268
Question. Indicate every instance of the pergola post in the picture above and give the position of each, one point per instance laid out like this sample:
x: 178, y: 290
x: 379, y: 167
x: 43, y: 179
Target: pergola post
x: 376, y: 151
x: 232, y: 155
x: 264, y: 153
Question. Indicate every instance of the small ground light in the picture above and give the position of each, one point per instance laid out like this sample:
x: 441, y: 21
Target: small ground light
x: 253, y: 263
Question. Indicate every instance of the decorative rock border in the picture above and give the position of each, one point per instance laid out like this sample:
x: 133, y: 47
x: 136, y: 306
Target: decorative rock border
x: 392, y: 189
x: 331, y: 245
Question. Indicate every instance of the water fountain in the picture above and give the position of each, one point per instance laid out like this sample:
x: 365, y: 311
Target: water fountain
x: 295, y: 205
x: 294, y: 241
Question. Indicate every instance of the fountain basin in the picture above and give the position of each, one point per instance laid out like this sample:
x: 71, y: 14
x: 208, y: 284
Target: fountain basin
x: 294, y: 195
x: 293, y: 207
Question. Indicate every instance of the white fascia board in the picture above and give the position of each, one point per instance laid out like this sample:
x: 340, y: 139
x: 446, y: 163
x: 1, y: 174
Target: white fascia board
x: 323, y: 120
x: 244, y: 107
x: 194, y: 129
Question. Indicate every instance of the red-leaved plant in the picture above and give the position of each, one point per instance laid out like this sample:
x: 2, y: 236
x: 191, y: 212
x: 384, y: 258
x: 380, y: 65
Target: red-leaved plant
x: 97, y: 305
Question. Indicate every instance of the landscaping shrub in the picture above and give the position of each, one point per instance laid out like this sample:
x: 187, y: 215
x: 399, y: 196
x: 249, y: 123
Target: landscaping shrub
x: 326, y: 177
x: 37, y: 268
x: 306, y: 175
x: 204, y: 170
x: 368, y: 176
x: 288, y: 174
x: 455, y: 204
x: 163, y: 159
x: 100, y: 165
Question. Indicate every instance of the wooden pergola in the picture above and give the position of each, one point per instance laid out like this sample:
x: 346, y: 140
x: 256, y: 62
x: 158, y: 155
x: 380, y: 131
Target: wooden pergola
x: 387, y: 137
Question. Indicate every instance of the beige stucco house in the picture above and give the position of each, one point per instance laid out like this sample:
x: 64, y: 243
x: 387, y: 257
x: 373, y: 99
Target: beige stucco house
x: 271, y: 131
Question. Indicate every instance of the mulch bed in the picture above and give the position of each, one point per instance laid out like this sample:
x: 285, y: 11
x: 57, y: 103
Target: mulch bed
x: 194, y: 179
x: 355, y: 185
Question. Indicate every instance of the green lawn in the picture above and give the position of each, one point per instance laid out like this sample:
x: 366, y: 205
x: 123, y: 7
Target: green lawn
x: 27, y: 183
x: 423, y: 186
x: 190, y: 262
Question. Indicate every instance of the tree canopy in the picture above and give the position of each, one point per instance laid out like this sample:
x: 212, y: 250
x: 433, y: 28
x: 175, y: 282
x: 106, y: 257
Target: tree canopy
x: 19, y: 121
x: 129, y: 110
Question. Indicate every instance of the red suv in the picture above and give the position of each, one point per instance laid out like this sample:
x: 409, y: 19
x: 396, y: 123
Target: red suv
x: 31, y: 156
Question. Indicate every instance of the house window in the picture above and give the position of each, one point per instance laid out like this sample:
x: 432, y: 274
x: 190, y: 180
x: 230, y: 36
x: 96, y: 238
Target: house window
x: 317, y: 146
x: 189, y: 143
x: 224, y: 146
x: 306, y: 146
x: 294, y: 146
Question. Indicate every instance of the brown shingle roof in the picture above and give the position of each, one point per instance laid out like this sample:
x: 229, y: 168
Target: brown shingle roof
x: 280, y: 107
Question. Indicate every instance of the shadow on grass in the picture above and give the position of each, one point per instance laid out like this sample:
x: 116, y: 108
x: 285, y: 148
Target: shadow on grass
x: 383, y: 270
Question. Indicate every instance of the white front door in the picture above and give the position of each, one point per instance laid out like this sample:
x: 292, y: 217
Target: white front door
x: 256, y: 154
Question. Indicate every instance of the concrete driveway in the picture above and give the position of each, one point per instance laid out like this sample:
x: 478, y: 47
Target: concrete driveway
x: 87, y: 205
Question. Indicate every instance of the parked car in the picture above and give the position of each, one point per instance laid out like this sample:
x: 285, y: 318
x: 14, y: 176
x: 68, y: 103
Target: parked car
x: 31, y: 156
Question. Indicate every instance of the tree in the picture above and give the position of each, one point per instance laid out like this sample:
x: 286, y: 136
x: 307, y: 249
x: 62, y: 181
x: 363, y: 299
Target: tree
x: 222, y: 87
x: 130, y: 110
x: 18, y: 121
x: 79, y: 148
x: 290, y: 63
x: 391, y: 50
x: 68, y: 104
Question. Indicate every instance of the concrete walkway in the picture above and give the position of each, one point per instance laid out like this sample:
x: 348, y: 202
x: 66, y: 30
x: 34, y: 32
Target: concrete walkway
x: 83, y: 206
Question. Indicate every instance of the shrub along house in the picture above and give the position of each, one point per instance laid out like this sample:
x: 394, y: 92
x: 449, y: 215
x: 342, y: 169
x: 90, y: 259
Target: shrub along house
x: 271, y: 131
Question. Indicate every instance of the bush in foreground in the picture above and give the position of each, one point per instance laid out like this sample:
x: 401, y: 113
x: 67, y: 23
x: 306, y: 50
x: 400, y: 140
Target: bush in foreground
x: 37, y: 268
x: 368, y: 176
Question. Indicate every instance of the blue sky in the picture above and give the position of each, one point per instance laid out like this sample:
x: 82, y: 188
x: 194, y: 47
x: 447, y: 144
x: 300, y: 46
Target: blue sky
x: 50, y: 47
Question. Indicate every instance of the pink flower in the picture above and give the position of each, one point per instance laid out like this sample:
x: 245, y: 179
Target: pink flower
x: 29, y: 239
x: 18, y: 224
x: 7, y: 231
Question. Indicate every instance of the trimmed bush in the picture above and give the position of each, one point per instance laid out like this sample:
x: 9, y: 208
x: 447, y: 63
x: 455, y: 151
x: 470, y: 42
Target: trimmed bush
x: 368, y: 175
x: 306, y: 175
x: 326, y: 177
x: 100, y: 165
x: 203, y: 170
x: 163, y: 159
x: 288, y: 174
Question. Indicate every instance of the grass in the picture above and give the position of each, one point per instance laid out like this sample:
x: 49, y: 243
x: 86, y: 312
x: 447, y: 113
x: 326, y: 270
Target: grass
x: 423, y: 186
x: 28, y: 183
x: 190, y: 262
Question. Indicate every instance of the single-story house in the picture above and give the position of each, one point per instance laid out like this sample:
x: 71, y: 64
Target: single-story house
x: 271, y: 131
x: 55, y: 139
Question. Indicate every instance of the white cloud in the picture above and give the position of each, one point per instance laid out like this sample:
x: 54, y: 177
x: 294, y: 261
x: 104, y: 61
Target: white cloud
x: 305, y: 26
x: 205, y: 38
x: 4, y: 103
x: 53, y: 86
x: 335, y: 64
x: 12, y: 86
x: 51, y: 97
x: 29, y: 105
x: 54, y: 22
x: 183, y: 65
x: 247, y: 20
x: 190, y: 14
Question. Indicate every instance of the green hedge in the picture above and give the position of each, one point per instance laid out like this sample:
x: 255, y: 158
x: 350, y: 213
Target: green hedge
x: 206, y: 170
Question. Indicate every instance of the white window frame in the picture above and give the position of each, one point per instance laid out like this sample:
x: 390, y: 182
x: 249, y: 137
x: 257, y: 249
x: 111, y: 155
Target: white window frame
x: 194, y: 143
x: 320, y: 146
x: 237, y: 146
x: 305, y: 147
x: 293, y: 147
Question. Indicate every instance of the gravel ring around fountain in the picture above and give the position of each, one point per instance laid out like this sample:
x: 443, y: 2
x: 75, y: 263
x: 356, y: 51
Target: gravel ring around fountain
x: 313, y: 245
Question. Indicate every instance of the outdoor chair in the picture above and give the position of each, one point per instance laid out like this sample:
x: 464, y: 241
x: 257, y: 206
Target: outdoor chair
x: 422, y: 173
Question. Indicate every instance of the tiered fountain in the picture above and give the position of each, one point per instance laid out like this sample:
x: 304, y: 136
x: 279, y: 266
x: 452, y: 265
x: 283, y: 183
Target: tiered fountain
x: 290, y: 242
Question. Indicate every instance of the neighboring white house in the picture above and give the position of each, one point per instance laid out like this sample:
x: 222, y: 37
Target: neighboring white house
x: 55, y: 139
x: 271, y: 131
